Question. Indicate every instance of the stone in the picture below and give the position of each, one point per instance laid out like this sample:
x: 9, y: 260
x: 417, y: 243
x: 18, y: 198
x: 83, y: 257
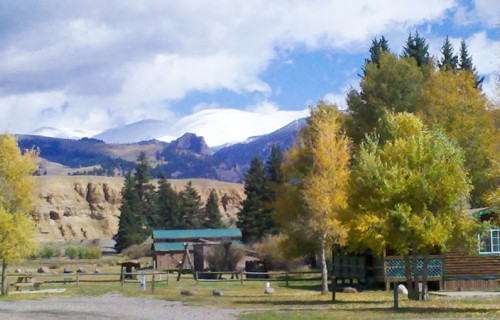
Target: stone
x: 350, y: 290
x: 43, y: 270
x: 66, y: 270
x: 217, y: 293
x: 81, y: 270
x: 97, y: 271
x: 188, y: 293
x: 269, y: 290
x: 402, y: 289
x: 18, y: 271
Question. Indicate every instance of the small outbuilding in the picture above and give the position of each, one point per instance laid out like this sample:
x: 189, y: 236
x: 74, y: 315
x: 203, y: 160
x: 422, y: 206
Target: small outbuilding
x: 169, y: 245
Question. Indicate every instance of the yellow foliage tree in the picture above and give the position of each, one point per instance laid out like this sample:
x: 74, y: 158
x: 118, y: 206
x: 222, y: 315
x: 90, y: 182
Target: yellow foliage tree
x: 17, y: 231
x: 317, y: 171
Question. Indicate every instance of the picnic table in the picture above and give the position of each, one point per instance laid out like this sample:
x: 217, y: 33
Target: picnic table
x: 26, y: 281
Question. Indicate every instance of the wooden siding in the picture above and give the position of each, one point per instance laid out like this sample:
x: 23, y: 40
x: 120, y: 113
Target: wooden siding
x: 460, y: 266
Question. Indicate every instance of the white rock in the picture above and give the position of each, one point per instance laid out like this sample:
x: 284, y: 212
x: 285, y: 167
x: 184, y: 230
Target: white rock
x: 402, y: 289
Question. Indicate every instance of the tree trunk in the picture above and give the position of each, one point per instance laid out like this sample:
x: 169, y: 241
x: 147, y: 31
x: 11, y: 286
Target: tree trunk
x: 416, y: 291
x: 408, y: 276
x: 424, y: 277
x: 324, y: 269
x: 4, y: 277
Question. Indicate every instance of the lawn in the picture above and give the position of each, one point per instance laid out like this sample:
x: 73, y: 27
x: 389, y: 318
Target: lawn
x: 300, y: 300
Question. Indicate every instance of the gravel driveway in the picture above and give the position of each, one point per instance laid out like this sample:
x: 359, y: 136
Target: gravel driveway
x: 109, y: 306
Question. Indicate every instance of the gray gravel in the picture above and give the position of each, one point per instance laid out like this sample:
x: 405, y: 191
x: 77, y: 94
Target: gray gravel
x: 109, y: 306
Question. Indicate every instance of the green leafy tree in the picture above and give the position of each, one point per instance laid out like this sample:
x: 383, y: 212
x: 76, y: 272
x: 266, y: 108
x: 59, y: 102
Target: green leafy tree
x: 409, y: 188
x: 449, y: 61
x: 169, y: 206
x: 317, y: 172
x: 465, y: 63
x: 17, y: 229
x: 213, y: 219
x: 190, y: 209
x: 253, y: 206
x: 417, y: 48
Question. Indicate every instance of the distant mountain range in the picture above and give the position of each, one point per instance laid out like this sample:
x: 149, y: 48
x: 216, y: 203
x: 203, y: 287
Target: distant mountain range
x: 186, y: 157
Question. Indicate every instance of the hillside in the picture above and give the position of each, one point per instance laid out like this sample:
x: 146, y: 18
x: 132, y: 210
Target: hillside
x: 87, y: 207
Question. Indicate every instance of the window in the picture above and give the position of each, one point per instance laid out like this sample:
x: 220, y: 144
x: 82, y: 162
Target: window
x: 490, y: 242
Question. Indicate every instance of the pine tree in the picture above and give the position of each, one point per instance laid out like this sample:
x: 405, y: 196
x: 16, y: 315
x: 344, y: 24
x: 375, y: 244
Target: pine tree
x: 465, y: 63
x: 168, y: 206
x: 252, y: 206
x: 418, y: 49
x: 129, y: 226
x: 273, y: 178
x: 378, y: 46
x: 145, y: 190
x: 449, y: 61
x: 191, y: 212
x: 213, y: 218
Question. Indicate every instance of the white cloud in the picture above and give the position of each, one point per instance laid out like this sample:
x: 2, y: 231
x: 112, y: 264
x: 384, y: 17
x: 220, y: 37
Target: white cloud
x: 113, y: 63
x: 486, y: 12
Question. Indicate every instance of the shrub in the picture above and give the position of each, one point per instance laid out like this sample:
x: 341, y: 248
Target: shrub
x: 271, y: 252
x: 71, y: 252
x: 138, y: 251
x: 219, y: 259
x: 95, y: 253
x: 47, y: 252
x: 83, y: 253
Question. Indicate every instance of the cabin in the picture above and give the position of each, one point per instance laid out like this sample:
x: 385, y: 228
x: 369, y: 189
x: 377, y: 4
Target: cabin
x: 169, y: 246
x: 452, y: 270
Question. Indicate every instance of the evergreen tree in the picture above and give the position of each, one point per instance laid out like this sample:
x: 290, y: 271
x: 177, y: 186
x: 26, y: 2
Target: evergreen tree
x: 168, y: 206
x: 129, y: 226
x: 273, y: 178
x: 252, y: 206
x: 465, y: 63
x: 418, y: 49
x: 378, y: 46
x: 449, y: 61
x: 145, y: 190
x: 190, y: 210
x: 213, y: 218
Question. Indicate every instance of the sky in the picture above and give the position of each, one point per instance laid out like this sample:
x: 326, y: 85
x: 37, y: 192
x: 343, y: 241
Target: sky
x: 224, y: 69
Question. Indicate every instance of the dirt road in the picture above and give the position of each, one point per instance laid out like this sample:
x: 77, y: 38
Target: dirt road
x: 108, y: 307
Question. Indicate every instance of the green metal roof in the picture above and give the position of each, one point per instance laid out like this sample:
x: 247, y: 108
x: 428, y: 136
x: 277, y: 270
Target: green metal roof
x: 197, y: 233
x: 172, y: 246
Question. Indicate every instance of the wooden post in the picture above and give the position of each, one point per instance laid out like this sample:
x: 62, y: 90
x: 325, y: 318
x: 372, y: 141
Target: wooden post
x: 286, y: 279
x: 334, y: 282
x: 196, y: 277
x: 241, y: 277
x: 396, y: 298
x: 182, y: 263
x: 153, y: 283
x: 167, y: 278
x: 77, y: 279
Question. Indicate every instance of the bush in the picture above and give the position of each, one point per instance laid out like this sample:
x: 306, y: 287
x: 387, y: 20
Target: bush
x: 271, y: 252
x: 83, y: 253
x: 138, y: 251
x: 219, y: 259
x: 71, y: 252
x: 95, y: 253
x: 47, y: 252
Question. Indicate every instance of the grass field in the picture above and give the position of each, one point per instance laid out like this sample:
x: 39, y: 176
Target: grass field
x: 301, y: 300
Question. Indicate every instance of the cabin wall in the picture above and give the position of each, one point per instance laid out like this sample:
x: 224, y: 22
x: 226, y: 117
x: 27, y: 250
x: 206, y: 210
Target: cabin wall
x: 471, y: 271
x: 168, y: 260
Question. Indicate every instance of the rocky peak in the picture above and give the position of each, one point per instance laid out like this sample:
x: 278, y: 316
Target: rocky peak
x: 190, y: 143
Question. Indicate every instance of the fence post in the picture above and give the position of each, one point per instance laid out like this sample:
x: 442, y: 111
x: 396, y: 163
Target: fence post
x: 396, y: 298
x: 167, y: 277
x: 122, y: 277
x: 241, y: 277
x: 153, y: 283
x: 77, y: 279
x: 286, y: 278
x: 196, y: 277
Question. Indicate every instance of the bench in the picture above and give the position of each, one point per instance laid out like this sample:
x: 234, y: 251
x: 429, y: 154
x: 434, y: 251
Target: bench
x: 35, y: 284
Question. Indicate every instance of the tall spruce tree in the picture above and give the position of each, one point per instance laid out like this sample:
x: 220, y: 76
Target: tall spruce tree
x: 145, y: 190
x: 252, y: 206
x: 273, y: 176
x: 449, y: 61
x: 168, y: 206
x: 417, y: 48
x: 378, y: 46
x: 130, y: 227
x: 465, y: 63
x: 190, y: 210
x: 213, y: 219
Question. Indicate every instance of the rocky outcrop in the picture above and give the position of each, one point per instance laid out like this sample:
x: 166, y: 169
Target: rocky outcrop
x: 87, y: 207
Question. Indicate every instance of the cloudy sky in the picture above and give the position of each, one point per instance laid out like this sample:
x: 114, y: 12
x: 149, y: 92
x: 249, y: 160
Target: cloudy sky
x: 83, y: 67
